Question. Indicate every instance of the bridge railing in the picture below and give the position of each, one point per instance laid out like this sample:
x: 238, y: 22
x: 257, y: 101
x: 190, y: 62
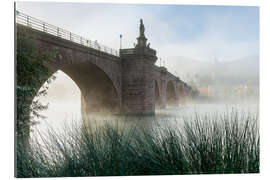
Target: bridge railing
x: 37, y: 24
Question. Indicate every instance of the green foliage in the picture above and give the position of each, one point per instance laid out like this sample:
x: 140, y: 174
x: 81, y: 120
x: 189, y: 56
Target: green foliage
x: 31, y: 74
x: 218, y: 143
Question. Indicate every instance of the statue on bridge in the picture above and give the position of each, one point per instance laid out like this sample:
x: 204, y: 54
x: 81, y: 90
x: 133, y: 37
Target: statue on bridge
x: 141, y: 39
x: 142, y: 29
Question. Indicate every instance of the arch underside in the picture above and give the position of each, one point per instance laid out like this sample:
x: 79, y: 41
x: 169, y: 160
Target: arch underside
x: 98, y: 93
x: 182, y: 95
x: 157, y: 96
x: 171, y: 98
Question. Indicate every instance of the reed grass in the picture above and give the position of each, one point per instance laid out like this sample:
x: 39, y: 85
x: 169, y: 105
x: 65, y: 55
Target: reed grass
x: 215, y: 143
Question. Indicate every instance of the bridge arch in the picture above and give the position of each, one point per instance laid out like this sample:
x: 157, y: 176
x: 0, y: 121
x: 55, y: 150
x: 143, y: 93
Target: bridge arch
x: 171, y: 93
x: 98, y: 90
x: 97, y: 74
x: 182, y: 94
x: 85, y: 62
x: 157, y: 95
x: 74, y: 58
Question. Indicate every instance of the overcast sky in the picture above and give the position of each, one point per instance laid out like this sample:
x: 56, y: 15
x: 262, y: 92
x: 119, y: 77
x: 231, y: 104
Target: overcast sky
x: 198, y: 32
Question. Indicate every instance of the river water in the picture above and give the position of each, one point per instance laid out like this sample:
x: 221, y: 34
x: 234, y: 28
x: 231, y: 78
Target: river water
x: 61, y: 115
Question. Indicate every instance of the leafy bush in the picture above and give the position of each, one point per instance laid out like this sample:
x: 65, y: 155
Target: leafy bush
x: 31, y: 74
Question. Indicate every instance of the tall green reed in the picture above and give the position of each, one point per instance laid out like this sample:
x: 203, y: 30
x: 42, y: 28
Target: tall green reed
x: 214, y: 143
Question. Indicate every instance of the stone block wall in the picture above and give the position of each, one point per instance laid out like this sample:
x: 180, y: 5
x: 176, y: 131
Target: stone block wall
x: 138, y: 93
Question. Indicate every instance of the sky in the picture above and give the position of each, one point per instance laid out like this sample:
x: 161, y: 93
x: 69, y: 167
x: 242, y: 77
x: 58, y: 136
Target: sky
x: 198, y: 32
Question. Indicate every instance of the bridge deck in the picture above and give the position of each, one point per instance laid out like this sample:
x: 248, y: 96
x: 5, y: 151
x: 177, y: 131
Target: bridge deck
x: 39, y: 25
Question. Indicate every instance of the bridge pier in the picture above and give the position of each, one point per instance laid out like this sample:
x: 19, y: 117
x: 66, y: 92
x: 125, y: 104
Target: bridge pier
x: 138, y: 88
x: 138, y: 93
x: 163, y: 104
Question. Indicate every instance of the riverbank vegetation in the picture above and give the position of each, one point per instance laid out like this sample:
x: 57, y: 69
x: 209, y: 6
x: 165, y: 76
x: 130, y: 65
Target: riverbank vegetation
x: 215, y: 143
x: 31, y: 74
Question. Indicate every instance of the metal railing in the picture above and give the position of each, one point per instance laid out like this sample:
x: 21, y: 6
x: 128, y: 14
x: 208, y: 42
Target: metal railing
x: 37, y: 24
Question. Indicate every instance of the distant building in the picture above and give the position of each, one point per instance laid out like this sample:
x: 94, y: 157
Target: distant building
x: 233, y: 92
x: 203, y: 90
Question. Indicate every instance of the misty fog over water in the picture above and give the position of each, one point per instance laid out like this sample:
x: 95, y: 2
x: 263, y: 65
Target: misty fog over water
x: 232, y: 90
x: 61, y: 115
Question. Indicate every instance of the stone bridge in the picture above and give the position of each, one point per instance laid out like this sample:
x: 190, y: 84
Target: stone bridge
x: 127, y: 82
